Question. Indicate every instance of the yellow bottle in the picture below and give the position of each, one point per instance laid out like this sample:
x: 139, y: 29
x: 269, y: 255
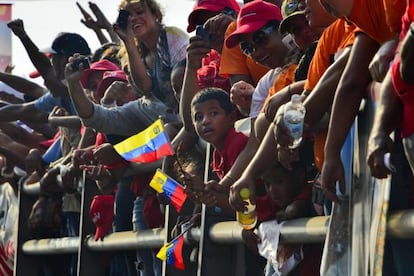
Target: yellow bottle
x: 248, y: 218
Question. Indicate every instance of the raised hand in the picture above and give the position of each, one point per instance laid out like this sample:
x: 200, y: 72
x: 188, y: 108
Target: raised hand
x: 17, y: 27
x: 241, y: 95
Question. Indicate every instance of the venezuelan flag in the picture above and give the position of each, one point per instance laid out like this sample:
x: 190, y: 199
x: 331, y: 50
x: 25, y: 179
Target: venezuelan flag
x: 147, y: 146
x: 164, y: 184
x: 172, y: 253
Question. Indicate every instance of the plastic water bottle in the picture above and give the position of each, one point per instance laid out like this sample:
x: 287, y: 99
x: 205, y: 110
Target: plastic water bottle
x: 293, y: 119
x: 248, y: 218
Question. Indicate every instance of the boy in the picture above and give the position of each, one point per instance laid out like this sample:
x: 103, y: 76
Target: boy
x: 213, y: 117
x: 290, y: 196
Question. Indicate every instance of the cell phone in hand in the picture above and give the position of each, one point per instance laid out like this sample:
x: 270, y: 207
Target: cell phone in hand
x: 122, y: 19
x: 201, y: 32
x: 84, y: 61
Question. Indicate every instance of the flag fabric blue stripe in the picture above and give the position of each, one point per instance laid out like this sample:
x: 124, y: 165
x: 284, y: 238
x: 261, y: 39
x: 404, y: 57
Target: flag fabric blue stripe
x: 169, y: 188
x: 151, y: 146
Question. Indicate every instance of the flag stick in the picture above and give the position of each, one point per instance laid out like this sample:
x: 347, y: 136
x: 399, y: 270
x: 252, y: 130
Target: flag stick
x: 181, y: 234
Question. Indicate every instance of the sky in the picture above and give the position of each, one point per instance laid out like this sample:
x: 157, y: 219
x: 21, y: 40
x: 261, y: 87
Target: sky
x: 43, y: 19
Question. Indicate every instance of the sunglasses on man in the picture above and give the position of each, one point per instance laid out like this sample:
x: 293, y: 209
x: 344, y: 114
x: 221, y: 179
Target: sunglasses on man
x: 260, y: 38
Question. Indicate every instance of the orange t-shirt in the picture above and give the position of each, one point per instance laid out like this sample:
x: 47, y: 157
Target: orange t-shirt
x: 234, y: 62
x: 393, y: 12
x: 338, y: 35
x: 378, y: 19
x: 285, y: 77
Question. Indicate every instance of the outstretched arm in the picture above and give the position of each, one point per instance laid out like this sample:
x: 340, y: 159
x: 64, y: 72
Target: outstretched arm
x: 351, y: 89
x: 196, y: 50
x: 83, y: 105
x: 99, y: 24
x: 388, y: 116
x: 39, y: 60
x: 22, y: 85
x: 137, y: 67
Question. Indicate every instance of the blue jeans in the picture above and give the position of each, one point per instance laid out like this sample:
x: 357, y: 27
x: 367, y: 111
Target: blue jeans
x: 70, y: 228
x: 123, y: 262
x: 148, y: 264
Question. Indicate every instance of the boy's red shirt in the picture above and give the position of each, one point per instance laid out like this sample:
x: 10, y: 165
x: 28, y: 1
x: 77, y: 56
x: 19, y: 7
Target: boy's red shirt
x: 233, y: 144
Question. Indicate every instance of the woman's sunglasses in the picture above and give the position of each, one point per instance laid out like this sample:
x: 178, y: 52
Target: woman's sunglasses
x: 260, y: 38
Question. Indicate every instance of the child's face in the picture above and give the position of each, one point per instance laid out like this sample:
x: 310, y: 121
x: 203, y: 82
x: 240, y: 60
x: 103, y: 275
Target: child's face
x: 283, y: 185
x: 211, y: 122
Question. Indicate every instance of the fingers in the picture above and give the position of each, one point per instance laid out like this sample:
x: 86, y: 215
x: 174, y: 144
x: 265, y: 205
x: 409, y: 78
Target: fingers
x: 85, y: 14
x: 377, y: 166
x: 235, y: 200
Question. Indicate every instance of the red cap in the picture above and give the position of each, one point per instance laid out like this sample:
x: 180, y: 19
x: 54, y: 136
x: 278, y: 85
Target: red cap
x: 252, y: 17
x: 212, y: 6
x: 102, y: 213
x: 101, y: 65
x: 108, y: 78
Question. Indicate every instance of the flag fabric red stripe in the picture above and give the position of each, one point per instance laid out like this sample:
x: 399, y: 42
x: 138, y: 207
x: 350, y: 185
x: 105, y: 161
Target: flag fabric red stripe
x: 178, y: 198
x: 175, y: 254
x: 162, y: 151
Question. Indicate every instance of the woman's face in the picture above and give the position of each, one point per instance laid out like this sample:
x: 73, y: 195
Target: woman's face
x: 141, y: 20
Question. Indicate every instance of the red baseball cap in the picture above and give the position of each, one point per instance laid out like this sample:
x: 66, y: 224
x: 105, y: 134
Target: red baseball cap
x: 102, y: 214
x: 108, y: 78
x: 212, y: 6
x: 252, y: 17
x: 101, y: 65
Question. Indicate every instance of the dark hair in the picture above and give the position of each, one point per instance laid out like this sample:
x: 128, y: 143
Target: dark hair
x: 214, y: 93
x: 108, y: 51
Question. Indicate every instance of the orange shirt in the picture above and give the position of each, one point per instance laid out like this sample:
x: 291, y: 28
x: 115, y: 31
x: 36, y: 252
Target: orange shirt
x: 378, y: 18
x: 234, y: 62
x: 337, y: 36
x: 393, y: 12
x: 285, y: 77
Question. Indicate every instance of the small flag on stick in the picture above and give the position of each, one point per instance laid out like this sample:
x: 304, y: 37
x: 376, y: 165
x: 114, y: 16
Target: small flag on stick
x: 164, y: 184
x: 147, y: 146
x: 172, y: 252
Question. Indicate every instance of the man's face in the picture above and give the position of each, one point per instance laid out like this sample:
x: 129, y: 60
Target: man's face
x: 303, y: 35
x: 316, y: 15
x: 265, y: 46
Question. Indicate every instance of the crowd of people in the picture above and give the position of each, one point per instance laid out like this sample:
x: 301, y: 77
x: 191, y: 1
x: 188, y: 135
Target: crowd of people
x: 243, y: 64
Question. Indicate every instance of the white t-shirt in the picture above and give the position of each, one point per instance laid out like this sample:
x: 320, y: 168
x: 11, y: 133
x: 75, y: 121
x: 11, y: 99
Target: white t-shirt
x: 261, y: 92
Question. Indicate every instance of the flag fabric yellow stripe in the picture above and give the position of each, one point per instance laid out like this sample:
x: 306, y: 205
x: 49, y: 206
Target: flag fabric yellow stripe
x: 140, y: 139
x: 162, y: 254
x: 158, y: 181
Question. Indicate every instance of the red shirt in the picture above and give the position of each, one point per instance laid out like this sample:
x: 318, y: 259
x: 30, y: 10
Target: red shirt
x: 233, y: 145
x: 404, y: 90
x: 208, y: 75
